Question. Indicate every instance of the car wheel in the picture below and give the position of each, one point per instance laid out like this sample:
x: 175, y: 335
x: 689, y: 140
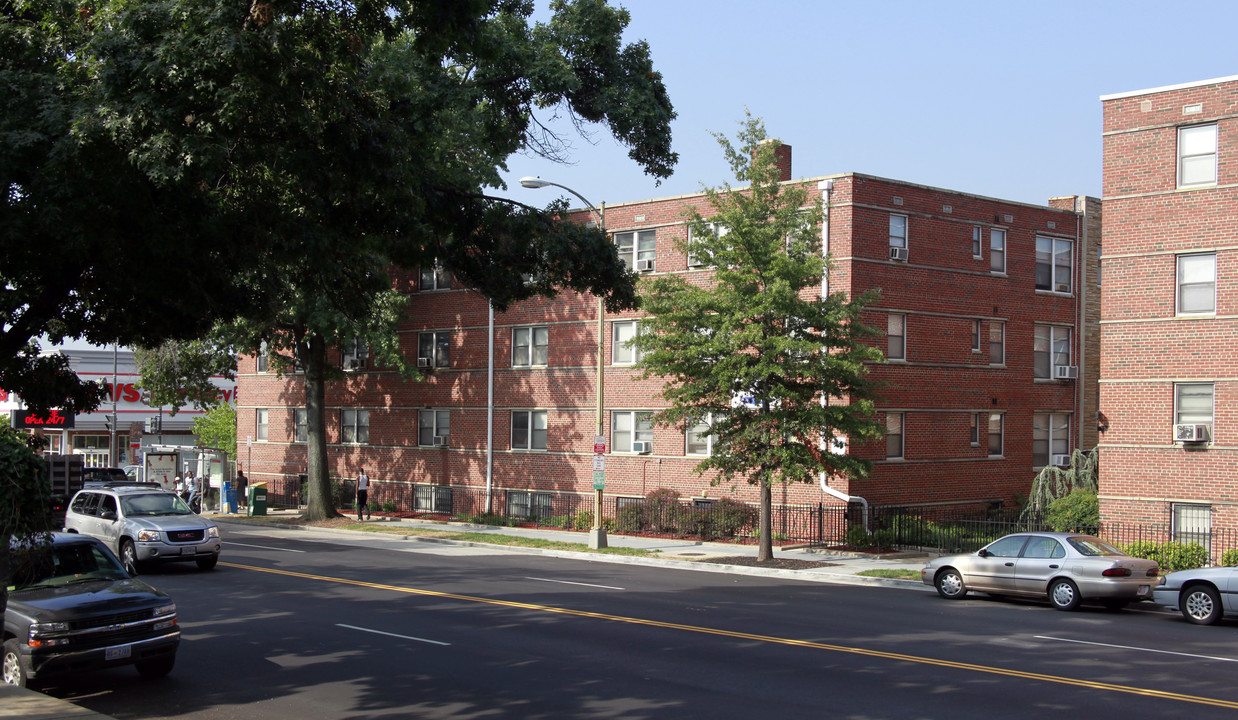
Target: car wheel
x: 1114, y: 604
x: 950, y: 584
x: 1063, y: 594
x: 157, y: 668
x: 11, y: 668
x: 129, y: 556
x: 208, y: 563
x: 1200, y: 604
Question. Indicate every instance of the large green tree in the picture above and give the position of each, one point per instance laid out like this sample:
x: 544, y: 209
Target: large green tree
x: 774, y: 369
x: 25, y: 498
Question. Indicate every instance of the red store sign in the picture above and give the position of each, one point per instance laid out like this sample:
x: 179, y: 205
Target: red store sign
x: 27, y: 420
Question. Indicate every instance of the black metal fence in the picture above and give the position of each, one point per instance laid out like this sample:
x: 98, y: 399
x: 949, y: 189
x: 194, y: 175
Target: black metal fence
x: 665, y: 514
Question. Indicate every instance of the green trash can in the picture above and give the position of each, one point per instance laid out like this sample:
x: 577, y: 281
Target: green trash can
x: 257, y: 498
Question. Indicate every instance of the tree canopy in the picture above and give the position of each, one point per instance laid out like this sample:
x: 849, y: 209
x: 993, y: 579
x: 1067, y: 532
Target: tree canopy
x: 773, y: 370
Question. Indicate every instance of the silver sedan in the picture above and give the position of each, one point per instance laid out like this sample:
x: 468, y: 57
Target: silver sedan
x: 1203, y: 596
x: 1066, y: 568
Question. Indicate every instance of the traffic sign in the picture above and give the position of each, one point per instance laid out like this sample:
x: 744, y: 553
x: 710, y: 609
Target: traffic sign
x: 599, y: 481
x: 599, y: 444
x: 599, y: 463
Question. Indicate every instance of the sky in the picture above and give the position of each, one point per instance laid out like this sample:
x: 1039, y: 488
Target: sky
x: 996, y: 98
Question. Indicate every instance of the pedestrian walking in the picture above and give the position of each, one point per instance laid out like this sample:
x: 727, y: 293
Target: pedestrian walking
x: 363, y: 494
x: 241, y: 483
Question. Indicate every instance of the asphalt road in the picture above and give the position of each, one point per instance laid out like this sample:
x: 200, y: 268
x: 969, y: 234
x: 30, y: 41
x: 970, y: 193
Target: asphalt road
x: 292, y: 628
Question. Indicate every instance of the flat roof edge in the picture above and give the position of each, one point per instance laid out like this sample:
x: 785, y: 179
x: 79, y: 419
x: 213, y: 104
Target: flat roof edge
x: 1168, y: 88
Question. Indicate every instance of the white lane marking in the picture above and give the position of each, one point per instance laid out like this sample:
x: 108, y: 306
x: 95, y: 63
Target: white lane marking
x: 394, y: 635
x: 1129, y: 647
x: 568, y: 582
x: 232, y: 543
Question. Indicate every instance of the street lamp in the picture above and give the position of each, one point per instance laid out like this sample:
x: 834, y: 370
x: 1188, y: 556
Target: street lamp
x: 597, y: 535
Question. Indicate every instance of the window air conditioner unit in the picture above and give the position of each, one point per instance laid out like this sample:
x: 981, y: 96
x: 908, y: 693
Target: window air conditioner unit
x: 1061, y: 460
x: 440, y: 441
x: 1063, y: 287
x: 644, y: 265
x: 1066, y: 372
x: 642, y: 448
x: 423, y: 362
x: 356, y: 363
x: 1190, y: 433
x: 899, y: 254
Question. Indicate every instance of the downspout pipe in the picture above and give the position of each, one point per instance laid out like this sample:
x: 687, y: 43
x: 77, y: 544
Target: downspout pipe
x: 827, y: 193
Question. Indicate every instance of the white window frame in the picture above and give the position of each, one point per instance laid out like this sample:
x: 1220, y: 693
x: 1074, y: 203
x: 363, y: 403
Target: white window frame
x: 434, y: 277
x: 1195, y: 281
x: 896, y: 432
x: 432, y: 423
x: 262, y: 424
x: 997, y: 251
x: 438, y: 351
x: 300, y: 425
x: 1196, y: 416
x: 355, y: 355
x: 636, y: 245
x: 1047, y: 428
x: 975, y: 336
x: 896, y: 321
x: 974, y: 431
x: 531, y: 346
x: 1197, y: 146
x: 354, y: 426
x: 1185, y: 531
x: 997, y: 429
x: 703, y: 432
x: 1054, y: 353
x: 1057, y: 247
x: 899, y: 230
x: 262, y: 359
x: 534, y: 431
x: 622, y: 352
x: 997, y: 329
x: 718, y: 229
x: 628, y: 427
x: 977, y: 242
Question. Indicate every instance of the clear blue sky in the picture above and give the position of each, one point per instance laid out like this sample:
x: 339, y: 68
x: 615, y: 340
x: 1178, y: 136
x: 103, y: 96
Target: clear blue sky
x: 998, y: 98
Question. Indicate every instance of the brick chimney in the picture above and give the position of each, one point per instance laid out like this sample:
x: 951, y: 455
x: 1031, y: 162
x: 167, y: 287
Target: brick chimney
x: 782, y: 156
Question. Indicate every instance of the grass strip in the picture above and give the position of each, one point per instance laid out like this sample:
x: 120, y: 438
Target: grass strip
x: 495, y: 539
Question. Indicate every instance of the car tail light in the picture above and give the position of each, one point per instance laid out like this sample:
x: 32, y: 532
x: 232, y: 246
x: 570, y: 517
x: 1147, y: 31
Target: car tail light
x: 1117, y: 572
x: 1153, y: 572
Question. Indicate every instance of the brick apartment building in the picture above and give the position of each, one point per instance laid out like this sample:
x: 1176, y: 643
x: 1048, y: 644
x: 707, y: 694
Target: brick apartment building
x: 992, y: 368
x: 1168, y: 328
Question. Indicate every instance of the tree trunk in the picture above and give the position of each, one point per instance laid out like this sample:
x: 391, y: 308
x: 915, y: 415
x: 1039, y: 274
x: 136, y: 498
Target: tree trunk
x: 321, y: 495
x: 765, y: 546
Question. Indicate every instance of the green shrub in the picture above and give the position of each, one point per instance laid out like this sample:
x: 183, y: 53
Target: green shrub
x: 1077, y: 512
x: 1229, y: 558
x: 630, y: 519
x: 1142, y: 549
x: 663, y: 511
x: 884, y: 539
x: 388, y: 507
x: 858, y: 537
x: 731, y: 517
x: 1170, y: 556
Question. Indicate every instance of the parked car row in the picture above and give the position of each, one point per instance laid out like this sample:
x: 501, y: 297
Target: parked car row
x: 1068, y: 569
x: 75, y: 604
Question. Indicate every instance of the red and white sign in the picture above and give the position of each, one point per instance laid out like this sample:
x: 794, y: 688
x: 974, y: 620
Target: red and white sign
x: 599, y: 444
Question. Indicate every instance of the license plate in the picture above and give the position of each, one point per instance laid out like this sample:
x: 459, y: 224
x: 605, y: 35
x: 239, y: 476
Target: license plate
x: 189, y: 551
x: 1144, y: 590
x: 117, y: 653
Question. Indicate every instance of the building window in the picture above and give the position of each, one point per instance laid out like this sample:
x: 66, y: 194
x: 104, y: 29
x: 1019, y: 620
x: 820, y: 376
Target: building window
x: 1193, y: 404
x: 355, y: 427
x: 977, y: 235
x: 897, y: 333
x: 434, y: 349
x: 1050, y: 438
x: 635, y: 247
x: 975, y: 336
x: 974, y: 434
x: 433, y: 427
x: 995, y: 434
x: 1197, y: 155
x: 525, y: 504
x: 699, y: 439
x: 894, y: 436
x: 262, y: 358
x: 898, y: 231
x: 1192, y: 523
x: 528, y: 429
x: 530, y: 346
x: 434, y: 278
x: 629, y: 429
x: 355, y: 355
x: 1050, y: 349
x: 300, y: 425
x: 1053, y: 257
x: 716, y: 229
x: 997, y: 250
x: 260, y: 424
x: 997, y: 342
x: 622, y: 350
x: 1197, y: 275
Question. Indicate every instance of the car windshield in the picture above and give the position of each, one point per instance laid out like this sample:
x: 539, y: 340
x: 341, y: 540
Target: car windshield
x: 1093, y: 546
x: 58, y: 565
x: 149, y: 504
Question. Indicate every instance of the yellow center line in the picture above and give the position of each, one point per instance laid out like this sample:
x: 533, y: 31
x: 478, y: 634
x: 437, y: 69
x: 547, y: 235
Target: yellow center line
x: 759, y: 638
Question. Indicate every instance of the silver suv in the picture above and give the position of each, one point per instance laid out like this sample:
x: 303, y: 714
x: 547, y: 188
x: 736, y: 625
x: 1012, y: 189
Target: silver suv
x: 142, y: 523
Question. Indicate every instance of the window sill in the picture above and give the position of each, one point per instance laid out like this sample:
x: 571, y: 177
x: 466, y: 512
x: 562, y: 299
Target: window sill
x: 1001, y: 274
x: 1056, y: 293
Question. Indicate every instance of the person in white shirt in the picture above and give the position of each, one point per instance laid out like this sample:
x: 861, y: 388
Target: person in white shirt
x: 363, y: 494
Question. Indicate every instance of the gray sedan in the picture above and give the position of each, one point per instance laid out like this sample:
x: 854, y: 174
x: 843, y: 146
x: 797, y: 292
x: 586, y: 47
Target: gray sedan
x: 1067, y: 568
x: 1203, y: 596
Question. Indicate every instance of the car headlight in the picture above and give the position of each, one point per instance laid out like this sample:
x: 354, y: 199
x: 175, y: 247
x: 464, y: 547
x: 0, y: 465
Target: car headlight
x: 38, y: 630
x: 148, y: 535
x: 212, y: 531
x: 168, y: 609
